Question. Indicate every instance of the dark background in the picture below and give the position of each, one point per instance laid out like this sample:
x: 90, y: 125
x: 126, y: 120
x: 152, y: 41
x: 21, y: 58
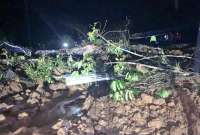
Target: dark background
x: 28, y: 22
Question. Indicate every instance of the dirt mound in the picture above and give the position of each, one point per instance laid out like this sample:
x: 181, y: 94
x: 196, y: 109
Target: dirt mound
x: 146, y: 115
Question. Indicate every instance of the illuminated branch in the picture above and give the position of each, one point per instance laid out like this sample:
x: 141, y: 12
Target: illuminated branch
x: 125, y: 50
x: 169, y: 56
x: 152, y: 67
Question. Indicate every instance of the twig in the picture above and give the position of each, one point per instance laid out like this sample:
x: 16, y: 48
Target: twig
x: 24, y: 50
x: 104, y: 27
x: 156, y: 56
x: 152, y: 67
x: 134, y: 63
x: 180, y: 56
x: 110, y: 43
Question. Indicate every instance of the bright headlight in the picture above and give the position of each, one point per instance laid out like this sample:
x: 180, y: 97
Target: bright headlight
x: 65, y: 45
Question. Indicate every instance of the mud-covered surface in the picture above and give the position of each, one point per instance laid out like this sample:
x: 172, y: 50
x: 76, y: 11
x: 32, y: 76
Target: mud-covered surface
x: 27, y: 108
x: 28, y: 112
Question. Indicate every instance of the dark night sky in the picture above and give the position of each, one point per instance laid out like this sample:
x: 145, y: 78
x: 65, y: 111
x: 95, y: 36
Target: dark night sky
x: 44, y: 19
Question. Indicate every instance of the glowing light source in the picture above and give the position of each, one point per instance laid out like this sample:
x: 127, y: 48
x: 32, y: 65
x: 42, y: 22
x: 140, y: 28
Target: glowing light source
x: 65, y: 44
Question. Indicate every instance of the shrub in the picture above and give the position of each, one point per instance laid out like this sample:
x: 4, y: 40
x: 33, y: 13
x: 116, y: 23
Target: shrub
x: 41, y: 70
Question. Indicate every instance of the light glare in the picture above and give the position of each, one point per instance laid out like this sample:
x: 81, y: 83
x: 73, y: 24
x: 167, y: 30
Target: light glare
x: 65, y: 45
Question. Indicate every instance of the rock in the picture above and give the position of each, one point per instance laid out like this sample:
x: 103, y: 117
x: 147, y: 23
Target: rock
x: 1, y: 86
x: 116, y: 120
x: 35, y: 95
x: 10, y: 75
x: 87, y: 103
x: 159, y: 101
x: 163, y: 110
x: 76, y: 88
x: 22, y: 131
x: 28, y: 84
x: 92, y: 113
x: 163, y: 131
x: 153, y: 114
x: 103, y: 123
x: 18, y: 97
x: 23, y: 115
x: 139, y: 102
x: 127, y: 108
x: 15, y: 87
x: 28, y: 92
x: 47, y: 94
x: 136, y: 129
x: 45, y: 100
x: 146, y: 99
x: 146, y: 131
x: 195, y: 127
x: 153, y: 107
x: 61, y: 131
x: 139, y: 119
x: 171, y: 104
x: 156, y: 123
x: 84, y: 129
x: 57, y: 86
x: 32, y: 101
x: 178, y: 131
x: 56, y: 94
x: 2, y: 118
x: 4, y: 106
x: 99, y: 128
x: 5, y: 91
x: 120, y: 110
x: 58, y: 125
x: 40, y: 88
x: 89, y: 130
x: 122, y: 120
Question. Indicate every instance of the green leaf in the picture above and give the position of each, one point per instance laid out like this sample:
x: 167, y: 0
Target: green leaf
x: 75, y: 73
x: 135, y: 92
x: 163, y: 93
x: 132, y: 76
x: 113, y: 86
x: 120, y: 84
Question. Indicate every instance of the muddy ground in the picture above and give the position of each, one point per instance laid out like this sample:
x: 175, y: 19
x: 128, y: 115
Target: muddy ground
x: 27, y: 108
x: 26, y: 111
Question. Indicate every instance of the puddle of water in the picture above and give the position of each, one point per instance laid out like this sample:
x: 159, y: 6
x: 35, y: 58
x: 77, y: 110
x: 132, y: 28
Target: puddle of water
x: 61, y: 107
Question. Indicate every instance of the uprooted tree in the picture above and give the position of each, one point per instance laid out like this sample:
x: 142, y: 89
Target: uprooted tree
x: 132, y: 65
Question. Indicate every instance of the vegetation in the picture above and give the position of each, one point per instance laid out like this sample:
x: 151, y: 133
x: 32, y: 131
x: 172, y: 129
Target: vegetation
x: 41, y: 70
x: 122, y: 89
x: 84, y: 66
x: 163, y: 93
